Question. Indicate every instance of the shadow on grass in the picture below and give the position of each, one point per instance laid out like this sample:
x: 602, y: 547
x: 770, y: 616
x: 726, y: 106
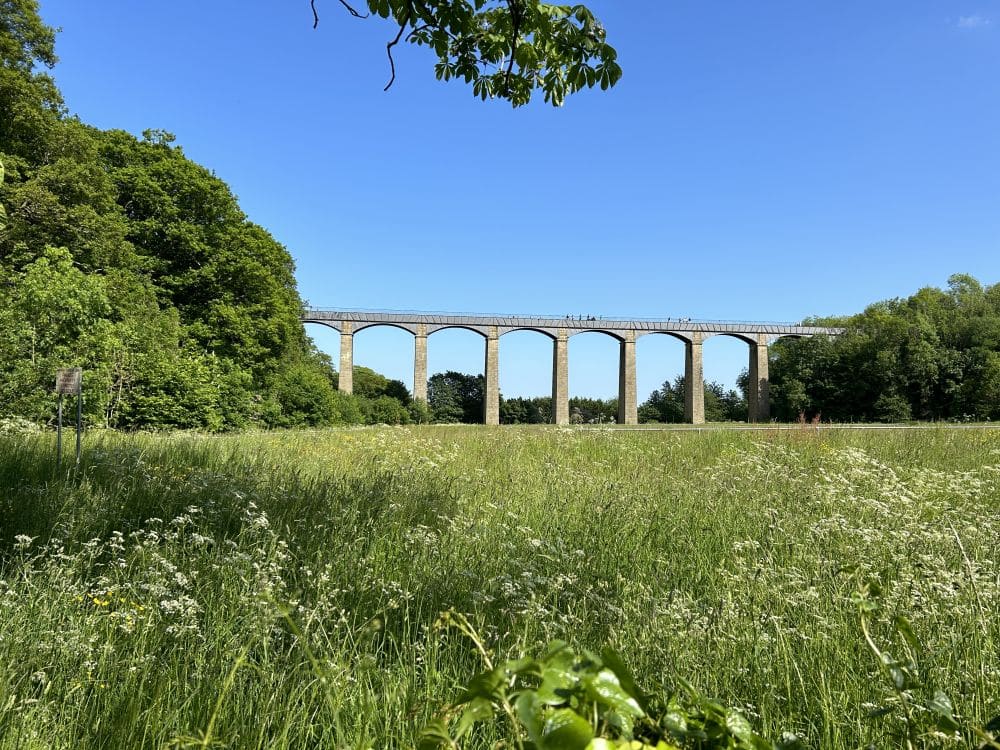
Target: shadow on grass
x: 120, y: 485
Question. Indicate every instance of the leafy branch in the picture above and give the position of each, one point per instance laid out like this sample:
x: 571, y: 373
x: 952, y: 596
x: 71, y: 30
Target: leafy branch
x: 564, y: 700
x: 506, y: 49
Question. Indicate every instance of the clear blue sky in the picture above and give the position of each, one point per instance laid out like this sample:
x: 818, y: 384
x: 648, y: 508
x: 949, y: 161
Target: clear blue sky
x: 758, y: 161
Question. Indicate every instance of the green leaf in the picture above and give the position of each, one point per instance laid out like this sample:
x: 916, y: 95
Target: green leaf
x: 523, y: 666
x: 738, y: 725
x: 434, y: 735
x: 877, y: 713
x: 478, y: 709
x: 904, y: 628
x: 566, y: 730
x: 895, y: 671
x: 616, y: 664
x: 605, y: 688
x: 529, y: 712
x: 675, y: 720
x: 485, y: 685
x: 526, y: 56
x: 789, y: 741
x: 941, y: 706
x: 557, y: 651
x: 558, y: 683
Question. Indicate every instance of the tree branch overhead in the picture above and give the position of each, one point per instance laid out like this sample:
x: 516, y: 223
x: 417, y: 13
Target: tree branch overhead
x: 505, y: 49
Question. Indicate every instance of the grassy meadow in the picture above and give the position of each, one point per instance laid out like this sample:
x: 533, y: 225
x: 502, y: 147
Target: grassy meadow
x: 282, y: 590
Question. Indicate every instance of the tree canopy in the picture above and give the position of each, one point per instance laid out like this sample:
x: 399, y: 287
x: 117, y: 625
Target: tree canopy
x: 122, y: 256
x: 666, y: 404
x: 934, y: 355
x: 505, y: 49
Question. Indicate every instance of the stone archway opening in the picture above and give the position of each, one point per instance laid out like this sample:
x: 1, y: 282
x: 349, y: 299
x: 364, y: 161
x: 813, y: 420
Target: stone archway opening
x: 593, y: 346
x: 459, y: 350
x: 740, y: 362
x: 526, y: 369
x: 660, y: 378
x: 326, y: 338
x: 384, y: 349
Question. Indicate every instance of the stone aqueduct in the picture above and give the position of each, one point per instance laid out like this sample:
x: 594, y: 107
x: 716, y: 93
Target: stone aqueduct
x: 693, y: 333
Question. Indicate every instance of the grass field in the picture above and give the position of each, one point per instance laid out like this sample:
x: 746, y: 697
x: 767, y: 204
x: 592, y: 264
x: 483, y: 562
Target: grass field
x: 143, y: 599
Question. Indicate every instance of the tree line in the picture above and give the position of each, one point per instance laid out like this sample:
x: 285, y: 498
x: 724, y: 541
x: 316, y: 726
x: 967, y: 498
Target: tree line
x: 932, y: 356
x: 458, y: 397
x: 455, y: 397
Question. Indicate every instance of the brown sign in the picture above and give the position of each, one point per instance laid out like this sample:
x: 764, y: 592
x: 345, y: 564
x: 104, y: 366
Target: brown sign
x: 68, y: 381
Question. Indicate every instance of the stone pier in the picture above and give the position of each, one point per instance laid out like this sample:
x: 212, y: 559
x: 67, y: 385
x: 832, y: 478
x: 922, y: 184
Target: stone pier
x: 491, y: 407
x: 420, y: 364
x: 560, y: 379
x: 694, y: 382
x: 759, y: 397
x: 628, y: 412
x: 345, y: 381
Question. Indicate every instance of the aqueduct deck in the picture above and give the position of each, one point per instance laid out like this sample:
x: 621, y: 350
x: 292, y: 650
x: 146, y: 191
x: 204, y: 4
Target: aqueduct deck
x: 692, y: 332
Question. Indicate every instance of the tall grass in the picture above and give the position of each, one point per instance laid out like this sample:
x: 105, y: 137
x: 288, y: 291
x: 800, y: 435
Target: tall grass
x: 280, y: 590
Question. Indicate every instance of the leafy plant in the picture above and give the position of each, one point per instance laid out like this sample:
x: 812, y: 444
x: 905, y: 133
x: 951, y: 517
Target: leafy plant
x: 564, y: 700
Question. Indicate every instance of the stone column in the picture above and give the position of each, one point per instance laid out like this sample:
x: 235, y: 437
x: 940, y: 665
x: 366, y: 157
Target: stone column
x: 560, y: 378
x: 759, y: 397
x: 694, y: 381
x: 345, y: 381
x: 627, y: 409
x: 420, y: 364
x: 492, y: 406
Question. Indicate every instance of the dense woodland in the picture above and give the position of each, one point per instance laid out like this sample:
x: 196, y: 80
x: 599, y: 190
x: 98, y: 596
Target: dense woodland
x: 932, y: 356
x: 122, y: 256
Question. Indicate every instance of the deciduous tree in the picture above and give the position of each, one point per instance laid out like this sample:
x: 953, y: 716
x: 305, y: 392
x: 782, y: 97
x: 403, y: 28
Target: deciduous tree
x: 456, y: 397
